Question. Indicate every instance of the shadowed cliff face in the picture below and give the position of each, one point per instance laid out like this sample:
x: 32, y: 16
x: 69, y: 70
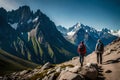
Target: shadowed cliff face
x: 33, y: 37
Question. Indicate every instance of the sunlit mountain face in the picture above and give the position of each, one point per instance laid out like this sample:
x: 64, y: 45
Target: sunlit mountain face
x: 89, y: 35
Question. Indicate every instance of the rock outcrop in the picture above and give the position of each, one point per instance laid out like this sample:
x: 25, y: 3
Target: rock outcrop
x: 55, y: 72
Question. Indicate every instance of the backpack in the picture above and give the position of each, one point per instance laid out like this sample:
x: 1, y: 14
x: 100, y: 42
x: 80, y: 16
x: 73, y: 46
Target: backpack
x: 100, y: 47
x: 81, y: 48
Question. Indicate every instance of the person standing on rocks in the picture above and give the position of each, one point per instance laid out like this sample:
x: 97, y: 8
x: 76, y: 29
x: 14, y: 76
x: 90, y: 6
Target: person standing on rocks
x: 99, y: 49
x: 82, y: 52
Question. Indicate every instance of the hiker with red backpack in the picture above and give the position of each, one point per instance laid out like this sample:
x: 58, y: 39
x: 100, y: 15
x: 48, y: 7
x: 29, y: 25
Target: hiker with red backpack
x: 82, y: 52
x: 99, y: 49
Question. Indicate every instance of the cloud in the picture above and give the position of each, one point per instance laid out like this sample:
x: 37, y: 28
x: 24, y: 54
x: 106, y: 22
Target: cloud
x: 8, y: 4
x: 13, y: 4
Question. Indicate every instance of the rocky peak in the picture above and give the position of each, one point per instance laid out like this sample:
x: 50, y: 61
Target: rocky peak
x: 25, y: 13
x: 34, y: 37
x: 3, y: 13
x: 21, y: 15
x: 105, y: 30
x: 37, y: 13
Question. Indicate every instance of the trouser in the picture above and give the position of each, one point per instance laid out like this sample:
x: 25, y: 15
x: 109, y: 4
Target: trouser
x: 99, y: 57
x: 81, y: 59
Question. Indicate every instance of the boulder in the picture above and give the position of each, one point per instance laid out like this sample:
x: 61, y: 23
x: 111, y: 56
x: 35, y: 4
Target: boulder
x: 50, y: 77
x: 58, y: 69
x: 74, y: 58
x: 24, y: 72
x: 1, y: 77
x: 69, y: 76
x: 45, y: 78
x: 46, y: 66
x: 74, y: 69
x: 89, y: 72
x: 108, y: 71
x: 50, y: 71
x: 92, y: 65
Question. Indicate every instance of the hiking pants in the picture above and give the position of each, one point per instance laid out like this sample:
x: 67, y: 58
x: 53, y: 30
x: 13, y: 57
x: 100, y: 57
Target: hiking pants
x: 81, y: 59
x: 99, y: 57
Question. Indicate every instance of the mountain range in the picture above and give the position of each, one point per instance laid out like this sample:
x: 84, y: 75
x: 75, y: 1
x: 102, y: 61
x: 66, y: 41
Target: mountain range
x: 80, y: 32
x: 29, y: 39
x: 32, y: 36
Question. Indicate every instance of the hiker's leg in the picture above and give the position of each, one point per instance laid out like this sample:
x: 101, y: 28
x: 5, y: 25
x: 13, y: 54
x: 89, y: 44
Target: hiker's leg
x: 82, y: 59
x: 97, y: 57
x: 100, y: 58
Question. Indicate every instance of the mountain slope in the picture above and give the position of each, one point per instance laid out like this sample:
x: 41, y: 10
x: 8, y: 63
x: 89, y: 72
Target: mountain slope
x: 33, y: 37
x: 110, y: 68
x: 111, y: 60
x: 10, y: 63
x: 71, y: 70
x: 89, y: 35
x: 63, y: 30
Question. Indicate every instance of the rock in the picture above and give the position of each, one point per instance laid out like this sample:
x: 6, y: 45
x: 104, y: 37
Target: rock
x: 108, y: 71
x: 66, y: 68
x: 89, y: 72
x: 74, y: 69
x: 95, y: 65
x: 74, y: 58
x: 46, y: 66
x: 1, y: 78
x: 58, y: 69
x: 45, y: 78
x: 23, y: 72
x: 50, y: 71
x: 69, y: 76
x: 50, y: 77
x: 7, y: 77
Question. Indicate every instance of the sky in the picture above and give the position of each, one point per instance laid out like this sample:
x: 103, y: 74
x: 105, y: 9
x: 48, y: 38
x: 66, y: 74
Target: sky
x: 94, y: 13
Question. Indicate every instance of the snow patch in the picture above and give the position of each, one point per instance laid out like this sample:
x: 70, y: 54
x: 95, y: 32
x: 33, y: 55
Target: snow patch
x: 86, y: 31
x: 21, y: 33
x: 30, y: 20
x: 14, y: 25
x: 70, y: 33
x: 21, y: 23
x: 34, y: 20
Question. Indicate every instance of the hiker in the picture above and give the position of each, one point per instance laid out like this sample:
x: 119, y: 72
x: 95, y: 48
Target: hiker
x: 99, y: 49
x: 82, y: 52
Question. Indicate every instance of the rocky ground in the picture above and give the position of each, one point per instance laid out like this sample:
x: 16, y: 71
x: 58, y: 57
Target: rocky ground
x: 71, y: 70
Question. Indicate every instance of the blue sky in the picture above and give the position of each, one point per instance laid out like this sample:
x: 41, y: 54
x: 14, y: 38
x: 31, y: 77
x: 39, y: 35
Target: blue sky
x: 95, y: 13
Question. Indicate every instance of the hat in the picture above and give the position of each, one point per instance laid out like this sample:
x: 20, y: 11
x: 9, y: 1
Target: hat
x: 99, y: 40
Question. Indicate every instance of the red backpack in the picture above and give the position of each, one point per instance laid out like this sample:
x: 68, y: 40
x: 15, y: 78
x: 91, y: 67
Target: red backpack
x: 81, y: 48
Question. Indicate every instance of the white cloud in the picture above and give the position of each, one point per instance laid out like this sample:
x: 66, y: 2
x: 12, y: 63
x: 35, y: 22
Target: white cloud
x: 8, y: 4
x: 15, y: 4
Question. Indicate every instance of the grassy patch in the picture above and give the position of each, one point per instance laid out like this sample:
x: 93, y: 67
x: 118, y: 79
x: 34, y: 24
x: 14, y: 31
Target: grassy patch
x: 39, y: 75
x: 69, y: 65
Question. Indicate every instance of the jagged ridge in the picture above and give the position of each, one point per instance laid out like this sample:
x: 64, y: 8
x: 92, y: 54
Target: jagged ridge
x: 33, y: 36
